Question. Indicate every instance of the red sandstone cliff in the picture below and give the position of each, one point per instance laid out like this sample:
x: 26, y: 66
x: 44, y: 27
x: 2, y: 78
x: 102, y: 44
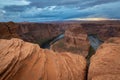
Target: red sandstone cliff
x: 105, y: 64
x: 104, y: 30
x: 21, y: 60
x: 42, y: 32
x: 32, y: 32
x: 8, y: 30
x: 75, y: 41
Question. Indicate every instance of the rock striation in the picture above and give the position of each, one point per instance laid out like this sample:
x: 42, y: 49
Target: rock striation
x: 76, y: 37
x: 105, y: 64
x: 42, y: 32
x: 8, y: 30
x: 21, y: 60
x: 31, y: 32
x: 104, y: 30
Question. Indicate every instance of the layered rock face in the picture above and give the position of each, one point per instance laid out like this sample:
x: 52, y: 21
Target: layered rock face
x: 105, y: 64
x: 75, y: 41
x: 76, y: 37
x: 8, y: 30
x: 21, y: 60
x: 42, y: 32
x: 31, y: 32
x: 104, y: 30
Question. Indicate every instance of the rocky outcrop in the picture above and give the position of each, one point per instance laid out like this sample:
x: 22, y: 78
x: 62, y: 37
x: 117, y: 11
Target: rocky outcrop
x: 105, y: 64
x: 21, y: 60
x: 75, y: 41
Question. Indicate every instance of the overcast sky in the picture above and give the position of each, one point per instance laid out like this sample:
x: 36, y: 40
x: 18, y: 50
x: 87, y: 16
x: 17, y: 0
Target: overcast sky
x: 55, y: 10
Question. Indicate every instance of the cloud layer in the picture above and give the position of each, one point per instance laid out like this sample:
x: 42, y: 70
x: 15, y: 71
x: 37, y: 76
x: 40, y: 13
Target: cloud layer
x: 52, y: 10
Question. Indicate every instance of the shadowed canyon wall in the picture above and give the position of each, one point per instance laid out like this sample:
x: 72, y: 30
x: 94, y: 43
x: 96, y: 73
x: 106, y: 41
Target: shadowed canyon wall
x: 33, y: 32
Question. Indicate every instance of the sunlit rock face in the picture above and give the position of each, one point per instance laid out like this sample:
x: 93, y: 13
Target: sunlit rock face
x: 75, y: 41
x: 105, y: 64
x: 21, y: 60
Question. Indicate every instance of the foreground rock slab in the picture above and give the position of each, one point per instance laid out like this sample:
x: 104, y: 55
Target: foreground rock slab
x: 21, y: 60
x: 105, y: 64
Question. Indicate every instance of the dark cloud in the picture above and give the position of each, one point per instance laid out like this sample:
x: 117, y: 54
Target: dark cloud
x: 41, y: 10
x: 68, y: 3
x: 15, y: 8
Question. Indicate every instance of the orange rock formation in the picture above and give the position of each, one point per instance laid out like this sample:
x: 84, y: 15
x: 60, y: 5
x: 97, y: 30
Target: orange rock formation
x: 105, y: 64
x: 75, y: 41
x: 21, y: 60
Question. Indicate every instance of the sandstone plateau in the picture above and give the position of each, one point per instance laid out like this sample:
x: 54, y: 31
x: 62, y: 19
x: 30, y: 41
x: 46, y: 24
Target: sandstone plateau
x: 105, y: 64
x: 21, y: 60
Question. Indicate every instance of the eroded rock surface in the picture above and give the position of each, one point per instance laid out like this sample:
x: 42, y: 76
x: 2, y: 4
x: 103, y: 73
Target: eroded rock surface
x: 75, y: 41
x: 105, y: 64
x: 104, y: 30
x: 31, y: 32
x: 21, y: 60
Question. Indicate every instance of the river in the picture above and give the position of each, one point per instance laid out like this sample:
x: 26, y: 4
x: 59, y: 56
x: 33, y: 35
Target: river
x: 47, y: 44
x: 95, y: 42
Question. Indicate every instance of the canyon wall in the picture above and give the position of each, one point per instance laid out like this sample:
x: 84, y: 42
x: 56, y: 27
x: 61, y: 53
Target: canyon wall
x: 104, y: 30
x: 42, y: 32
x: 33, y: 32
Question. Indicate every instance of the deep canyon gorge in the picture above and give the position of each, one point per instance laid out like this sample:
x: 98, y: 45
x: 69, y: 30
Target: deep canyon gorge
x: 74, y: 50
